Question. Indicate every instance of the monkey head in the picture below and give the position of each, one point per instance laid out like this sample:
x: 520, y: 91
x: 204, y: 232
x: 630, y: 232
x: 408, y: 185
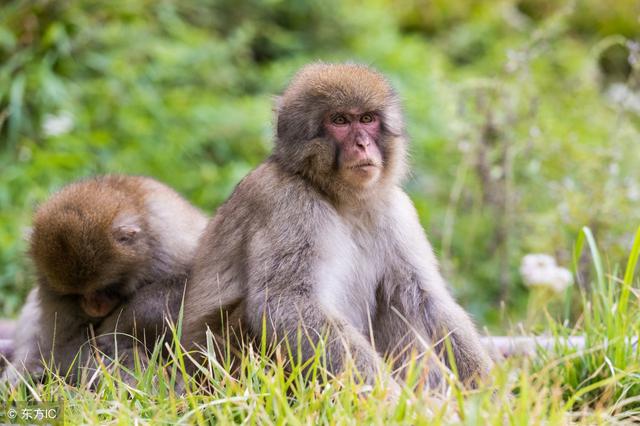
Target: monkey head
x: 340, y: 126
x: 88, y: 242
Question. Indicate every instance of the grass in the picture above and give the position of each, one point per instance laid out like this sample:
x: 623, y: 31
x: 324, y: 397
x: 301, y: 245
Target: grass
x: 599, y: 384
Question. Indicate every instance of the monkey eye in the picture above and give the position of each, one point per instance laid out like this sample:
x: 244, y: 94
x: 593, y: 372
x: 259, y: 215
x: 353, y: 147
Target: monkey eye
x: 339, y: 120
x: 367, y: 118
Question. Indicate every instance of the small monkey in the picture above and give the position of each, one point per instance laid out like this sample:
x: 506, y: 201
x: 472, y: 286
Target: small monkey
x: 111, y: 255
x: 321, y: 239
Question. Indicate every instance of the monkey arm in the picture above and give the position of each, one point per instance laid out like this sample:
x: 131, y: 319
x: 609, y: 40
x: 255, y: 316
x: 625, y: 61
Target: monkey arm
x: 445, y: 319
x: 132, y: 330
x: 143, y: 318
x: 216, y: 289
x: 64, y: 337
x: 419, y: 319
x: 415, y: 302
x: 26, y: 355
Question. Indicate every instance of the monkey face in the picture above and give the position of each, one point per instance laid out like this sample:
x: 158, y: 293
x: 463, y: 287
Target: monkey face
x: 357, y: 135
x: 99, y: 304
x: 340, y: 126
x: 98, y: 293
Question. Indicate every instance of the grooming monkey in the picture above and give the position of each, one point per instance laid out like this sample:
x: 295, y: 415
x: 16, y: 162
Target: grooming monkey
x: 320, y: 239
x: 112, y: 255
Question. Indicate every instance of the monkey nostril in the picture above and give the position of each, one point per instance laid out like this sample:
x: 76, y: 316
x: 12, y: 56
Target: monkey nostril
x: 363, y: 142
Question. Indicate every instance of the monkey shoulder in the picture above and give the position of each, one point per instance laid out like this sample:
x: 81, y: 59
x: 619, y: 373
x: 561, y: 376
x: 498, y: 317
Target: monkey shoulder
x: 270, y: 193
x: 401, y: 206
x: 402, y: 224
x: 175, y: 224
x: 163, y: 202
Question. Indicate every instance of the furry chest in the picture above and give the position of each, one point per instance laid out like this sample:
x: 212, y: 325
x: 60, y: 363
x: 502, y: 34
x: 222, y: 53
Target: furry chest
x: 349, y: 274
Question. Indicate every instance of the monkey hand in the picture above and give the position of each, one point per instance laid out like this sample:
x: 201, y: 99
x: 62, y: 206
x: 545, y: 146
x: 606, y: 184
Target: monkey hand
x: 121, y: 348
x: 122, y: 354
x: 128, y: 361
x: 107, y: 344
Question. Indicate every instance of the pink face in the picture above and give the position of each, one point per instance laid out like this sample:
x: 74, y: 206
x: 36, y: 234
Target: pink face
x: 357, y: 134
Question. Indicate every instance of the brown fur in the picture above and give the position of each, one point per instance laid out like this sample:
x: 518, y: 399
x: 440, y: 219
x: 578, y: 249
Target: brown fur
x: 301, y: 248
x: 74, y: 239
x: 317, y: 89
x: 129, y: 236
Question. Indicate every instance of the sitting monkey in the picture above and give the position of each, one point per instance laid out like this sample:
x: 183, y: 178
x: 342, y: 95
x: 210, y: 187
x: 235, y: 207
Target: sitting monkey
x: 112, y: 255
x: 321, y: 239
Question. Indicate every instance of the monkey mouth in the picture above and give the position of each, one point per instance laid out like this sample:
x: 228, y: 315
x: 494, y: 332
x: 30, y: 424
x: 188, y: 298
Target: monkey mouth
x: 363, y: 165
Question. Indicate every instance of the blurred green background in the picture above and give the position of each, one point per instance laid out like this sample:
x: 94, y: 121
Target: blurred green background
x: 524, y: 115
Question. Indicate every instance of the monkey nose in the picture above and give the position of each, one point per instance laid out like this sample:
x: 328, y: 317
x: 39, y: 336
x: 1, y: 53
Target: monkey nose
x: 362, y: 141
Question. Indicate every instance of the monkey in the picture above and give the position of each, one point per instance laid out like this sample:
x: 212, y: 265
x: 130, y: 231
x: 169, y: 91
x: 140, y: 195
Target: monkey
x: 7, y: 329
x: 111, y: 256
x: 320, y: 240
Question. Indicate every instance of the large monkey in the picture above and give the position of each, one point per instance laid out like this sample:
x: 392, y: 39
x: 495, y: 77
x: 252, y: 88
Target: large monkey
x: 112, y: 255
x: 321, y: 238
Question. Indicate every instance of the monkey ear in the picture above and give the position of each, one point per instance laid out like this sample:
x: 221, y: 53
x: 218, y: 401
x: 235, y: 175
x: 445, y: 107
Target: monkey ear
x: 125, y: 228
x: 126, y: 234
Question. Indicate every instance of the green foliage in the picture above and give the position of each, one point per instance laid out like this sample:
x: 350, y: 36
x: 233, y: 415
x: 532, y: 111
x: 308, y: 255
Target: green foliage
x: 516, y: 144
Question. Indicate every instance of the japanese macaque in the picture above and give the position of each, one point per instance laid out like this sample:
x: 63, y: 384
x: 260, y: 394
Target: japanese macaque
x: 7, y: 330
x: 320, y: 240
x: 112, y: 255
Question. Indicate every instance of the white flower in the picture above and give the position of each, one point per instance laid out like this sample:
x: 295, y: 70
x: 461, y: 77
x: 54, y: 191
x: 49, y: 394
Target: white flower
x: 621, y: 94
x: 54, y: 125
x: 541, y: 270
x: 633, y: 191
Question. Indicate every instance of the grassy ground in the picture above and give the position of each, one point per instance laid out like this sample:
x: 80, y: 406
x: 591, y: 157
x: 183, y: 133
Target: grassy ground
x: 596, y: 385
